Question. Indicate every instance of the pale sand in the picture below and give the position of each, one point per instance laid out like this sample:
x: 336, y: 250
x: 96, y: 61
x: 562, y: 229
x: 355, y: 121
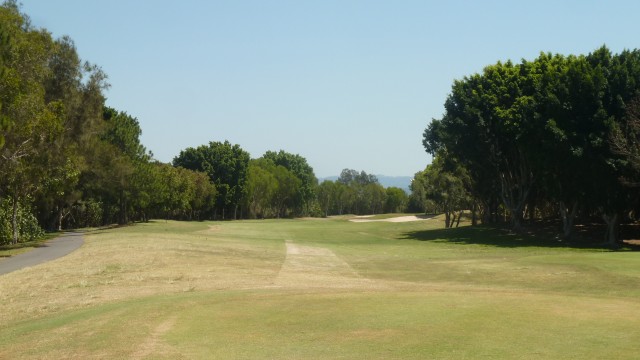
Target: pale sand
x: 362, y: 219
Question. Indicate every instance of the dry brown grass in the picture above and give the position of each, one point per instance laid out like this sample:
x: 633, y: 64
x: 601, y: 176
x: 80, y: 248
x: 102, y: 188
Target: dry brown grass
x: 110, y: 268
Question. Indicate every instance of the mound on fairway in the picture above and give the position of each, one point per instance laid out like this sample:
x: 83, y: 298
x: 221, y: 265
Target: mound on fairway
x: 296, y: 289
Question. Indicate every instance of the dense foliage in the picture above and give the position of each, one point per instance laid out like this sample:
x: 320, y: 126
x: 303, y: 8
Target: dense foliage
x: 536, y: 138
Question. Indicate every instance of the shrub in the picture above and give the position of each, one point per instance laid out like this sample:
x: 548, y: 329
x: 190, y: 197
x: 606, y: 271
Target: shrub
x: 28, y: 227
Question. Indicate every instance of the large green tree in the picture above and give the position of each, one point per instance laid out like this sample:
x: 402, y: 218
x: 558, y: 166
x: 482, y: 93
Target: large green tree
x: 34, y: 123
x: 542, y: 127
x: 396, y: 200
x: 297, y: 165
x: 227, y: 166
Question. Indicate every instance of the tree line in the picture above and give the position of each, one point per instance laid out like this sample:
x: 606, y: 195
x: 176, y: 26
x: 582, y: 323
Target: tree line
x: 359, y: 193
x: 555, y: 137
x: 67, y: 160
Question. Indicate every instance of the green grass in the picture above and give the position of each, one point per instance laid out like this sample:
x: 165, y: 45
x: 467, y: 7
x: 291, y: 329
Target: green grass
x: 212, y: 290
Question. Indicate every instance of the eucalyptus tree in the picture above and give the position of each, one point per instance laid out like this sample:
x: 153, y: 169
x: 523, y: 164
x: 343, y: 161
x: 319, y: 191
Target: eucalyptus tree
x: 360, y: 192
x: 326, y: 196
x: 353, y: 177
x: 374, y: 198
x: 396, y: 200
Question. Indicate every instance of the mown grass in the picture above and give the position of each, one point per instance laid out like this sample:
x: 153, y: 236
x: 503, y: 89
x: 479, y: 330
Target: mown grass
x: 208, y: 290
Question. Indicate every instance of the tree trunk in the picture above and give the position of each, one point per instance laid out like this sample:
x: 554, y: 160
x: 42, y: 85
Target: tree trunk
x: 60, y: 217
x: 568, y: 218
x: 531, y: 209
x: 474, y: 214
x: 611, y: 235
x: 516, y: 219
x: 14, y: 220
x: 516, y: 183
x: 459, y: 217
x: 485, y: 214
x: 123, y: 218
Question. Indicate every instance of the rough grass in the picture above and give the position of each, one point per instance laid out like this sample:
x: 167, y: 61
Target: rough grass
x: 300, y: 289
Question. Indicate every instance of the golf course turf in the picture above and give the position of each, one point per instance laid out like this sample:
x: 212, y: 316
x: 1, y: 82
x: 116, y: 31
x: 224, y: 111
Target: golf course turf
x: 322, y: 289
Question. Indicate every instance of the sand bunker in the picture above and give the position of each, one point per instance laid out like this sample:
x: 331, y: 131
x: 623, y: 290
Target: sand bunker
x: 362, y: 219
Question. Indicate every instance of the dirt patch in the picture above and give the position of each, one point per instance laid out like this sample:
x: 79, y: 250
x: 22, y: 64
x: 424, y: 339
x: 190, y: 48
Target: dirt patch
x: 317, y: 267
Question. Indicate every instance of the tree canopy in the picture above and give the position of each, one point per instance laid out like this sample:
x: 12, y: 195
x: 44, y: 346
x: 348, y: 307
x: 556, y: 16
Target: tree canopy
x: 537, y: 135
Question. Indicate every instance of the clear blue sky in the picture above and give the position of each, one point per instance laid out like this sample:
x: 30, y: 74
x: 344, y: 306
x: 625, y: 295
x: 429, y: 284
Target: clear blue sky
x: 346, y: 84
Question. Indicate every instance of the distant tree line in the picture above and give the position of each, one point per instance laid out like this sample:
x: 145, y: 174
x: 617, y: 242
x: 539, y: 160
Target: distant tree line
x: 67, y: 160
x: 556, y: 137
x: 359, y: 193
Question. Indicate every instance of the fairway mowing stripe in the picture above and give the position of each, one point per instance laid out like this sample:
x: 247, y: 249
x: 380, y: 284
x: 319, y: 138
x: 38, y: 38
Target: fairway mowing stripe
x: 317, y: 267
x: 154, y: 344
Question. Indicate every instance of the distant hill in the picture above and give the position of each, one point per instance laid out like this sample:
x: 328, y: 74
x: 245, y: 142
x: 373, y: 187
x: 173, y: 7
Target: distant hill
x: 402, y: 182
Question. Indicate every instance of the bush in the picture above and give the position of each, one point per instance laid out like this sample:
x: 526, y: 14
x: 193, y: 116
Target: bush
x: 88, y: 213
x: 28, y: 227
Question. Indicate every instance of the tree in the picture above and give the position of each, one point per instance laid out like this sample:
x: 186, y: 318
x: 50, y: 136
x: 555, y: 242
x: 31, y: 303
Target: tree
x: 4, y: 50
x: 227, y: 167
x: 397, y: 200
x: 374, y: 197
x: 446, y: 189
x: 116, y: 161
x: 34, y: 123
x: 261, y: 187
x: 327, y: 197
x: 542, y: 127
x: 287, y: 191
x: 77, y: 87
x: 350, y: 177
x: 297, y: 165
x: 360, y: 192
x: 625, y: 141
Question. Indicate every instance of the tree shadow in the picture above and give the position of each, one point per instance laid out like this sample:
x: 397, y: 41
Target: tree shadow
x: 504, y: 238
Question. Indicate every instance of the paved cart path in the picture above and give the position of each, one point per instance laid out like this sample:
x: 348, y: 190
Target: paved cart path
x: 48, y: 251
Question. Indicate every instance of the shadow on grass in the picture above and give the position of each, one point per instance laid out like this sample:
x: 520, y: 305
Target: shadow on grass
x: 498, y: 237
